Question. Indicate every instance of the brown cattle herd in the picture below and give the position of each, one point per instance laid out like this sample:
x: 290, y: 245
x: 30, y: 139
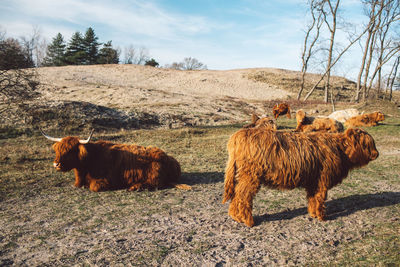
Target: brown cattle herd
x: 316, y: 156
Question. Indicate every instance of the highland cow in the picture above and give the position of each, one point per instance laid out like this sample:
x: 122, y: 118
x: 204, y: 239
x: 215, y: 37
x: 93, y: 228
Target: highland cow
x: 281, y: 109
x: 286, y: 160
x: 311, y: 124
x: 344, y: 115
x: 371, y: 119
x: 102, y: 165
x: 263, y: 122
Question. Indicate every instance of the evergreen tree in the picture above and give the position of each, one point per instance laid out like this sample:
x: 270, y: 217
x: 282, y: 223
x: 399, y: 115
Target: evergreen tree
x: 108, y: 55
x: 55, y: 55
x: 76, y: 54
x: 91, y: 47
x: 152, y: 62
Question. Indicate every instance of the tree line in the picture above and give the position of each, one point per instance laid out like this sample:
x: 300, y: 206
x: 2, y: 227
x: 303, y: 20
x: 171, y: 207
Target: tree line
x: 19, y: 57
x: 81, y: 49
x: 379, y: 39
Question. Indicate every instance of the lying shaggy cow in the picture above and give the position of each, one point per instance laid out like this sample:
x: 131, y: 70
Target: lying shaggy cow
x: 344, y: 115
x: 103, y: 165
x: 371, y: 119
x: 311, y: 124
x: 286, y: 160
x: 281, y: 109
x: 263, y: 122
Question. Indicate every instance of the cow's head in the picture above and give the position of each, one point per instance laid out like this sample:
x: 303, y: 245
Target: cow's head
x: 69, y: 151
x: 360, y: 146
x: 300, y: 116
x: 263, y: 122
x: 378, y: 116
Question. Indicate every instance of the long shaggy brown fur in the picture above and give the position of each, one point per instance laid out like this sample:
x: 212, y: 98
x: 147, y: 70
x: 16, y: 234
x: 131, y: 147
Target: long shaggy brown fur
x: 281, y: 109
x: 102, y: 165
x: 310, y: 124
x: 286, y: 160
x: 263, y: 122
x: 371, y: 119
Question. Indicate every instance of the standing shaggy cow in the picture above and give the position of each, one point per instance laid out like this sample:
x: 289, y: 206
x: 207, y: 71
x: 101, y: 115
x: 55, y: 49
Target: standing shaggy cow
x: 371, y: 119
x: 311, y: 124
x: 281, y: 109
x: 286, y: 160
x: 102, y: 165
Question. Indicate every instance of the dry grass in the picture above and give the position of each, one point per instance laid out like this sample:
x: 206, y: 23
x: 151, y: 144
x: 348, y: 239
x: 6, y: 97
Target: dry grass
x: 291, y: 81
x: 45, y: 221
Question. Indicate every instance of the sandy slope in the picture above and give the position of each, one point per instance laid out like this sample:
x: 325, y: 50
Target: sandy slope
x: 132, y: 80
x: 196, y: 97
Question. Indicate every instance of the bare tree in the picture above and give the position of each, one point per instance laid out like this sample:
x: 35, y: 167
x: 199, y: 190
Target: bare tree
x: 381, y: 14
x: 391, y: 79
x: 35, y: 46
x: 386, y: 45
x: 129, y: 54
x: 350, y: 44
x: 174, y: 65
x: 331, y: 25
x: 310, y: 42
x: 190, y: 63
x: 133, y: 55
x: 143, y: 56
x: 17, y: 82
x: 371, y: 25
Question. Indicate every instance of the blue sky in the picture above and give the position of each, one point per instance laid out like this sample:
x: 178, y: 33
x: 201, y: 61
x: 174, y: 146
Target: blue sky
x: 220, y: 33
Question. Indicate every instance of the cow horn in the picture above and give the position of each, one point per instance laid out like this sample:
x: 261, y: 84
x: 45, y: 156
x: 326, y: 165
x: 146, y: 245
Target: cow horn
x: 87, y: 140
x: 49, y: 137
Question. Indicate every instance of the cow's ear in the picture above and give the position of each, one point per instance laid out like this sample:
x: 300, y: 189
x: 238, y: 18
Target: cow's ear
x: 254, y: 118
x: 353, y: 150
x: 82, y: 152
x: 350, y: 133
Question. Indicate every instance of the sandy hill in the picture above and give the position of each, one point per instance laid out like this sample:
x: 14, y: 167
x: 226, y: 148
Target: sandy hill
x: 133, y: 96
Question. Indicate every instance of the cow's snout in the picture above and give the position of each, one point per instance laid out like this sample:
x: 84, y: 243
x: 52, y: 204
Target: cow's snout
x: 56, y: 165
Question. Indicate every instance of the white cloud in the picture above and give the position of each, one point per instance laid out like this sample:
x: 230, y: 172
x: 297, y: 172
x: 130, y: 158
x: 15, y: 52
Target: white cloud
x: 137, y: 17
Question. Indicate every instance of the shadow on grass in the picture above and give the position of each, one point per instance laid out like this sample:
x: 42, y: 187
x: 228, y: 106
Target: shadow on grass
x: 341, y: 207
x: 194, y: 178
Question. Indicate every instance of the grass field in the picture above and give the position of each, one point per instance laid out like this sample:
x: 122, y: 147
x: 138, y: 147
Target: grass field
x: 46, y: 221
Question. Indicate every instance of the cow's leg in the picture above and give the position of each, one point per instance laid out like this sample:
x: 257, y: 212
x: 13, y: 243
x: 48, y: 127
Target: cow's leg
x: 311, y: 203
x: 319, y: 199
x: 148, y: 178
x: 234, y: 210
x: 242, y: 203
x: 79, y: 178
x: 97, y: 185
x: 137, y: 187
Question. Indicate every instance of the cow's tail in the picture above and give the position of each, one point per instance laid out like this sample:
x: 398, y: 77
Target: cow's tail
x: 230, y: 174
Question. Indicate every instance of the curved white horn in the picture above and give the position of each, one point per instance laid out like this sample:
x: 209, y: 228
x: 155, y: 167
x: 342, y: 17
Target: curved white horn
x: 49, y: 137
x: 87, y: 140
